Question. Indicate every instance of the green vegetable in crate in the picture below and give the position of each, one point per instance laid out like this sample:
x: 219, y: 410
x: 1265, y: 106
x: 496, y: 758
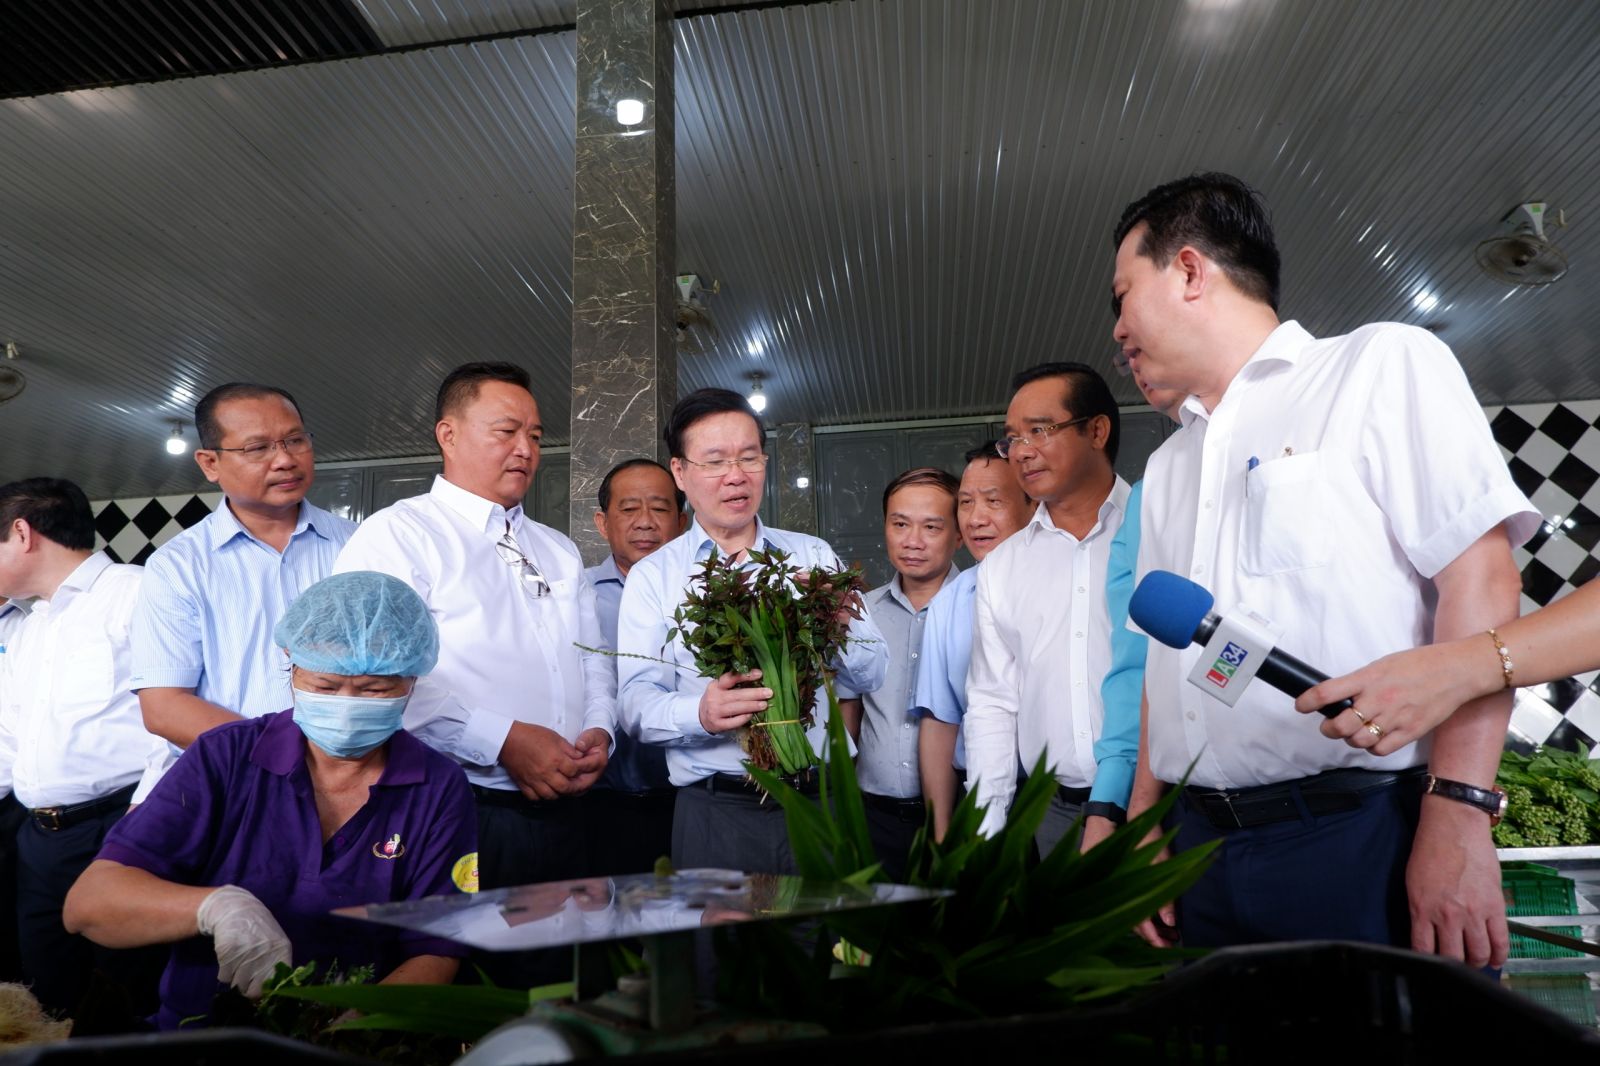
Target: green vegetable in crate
x: 1553, y: 799
x: 786, y: 622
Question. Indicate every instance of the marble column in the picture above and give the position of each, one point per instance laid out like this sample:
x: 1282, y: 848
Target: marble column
x: 624, y: 360
x: 797, y: 503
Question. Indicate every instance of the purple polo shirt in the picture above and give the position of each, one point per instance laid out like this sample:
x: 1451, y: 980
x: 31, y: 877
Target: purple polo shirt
x: 238, y: 809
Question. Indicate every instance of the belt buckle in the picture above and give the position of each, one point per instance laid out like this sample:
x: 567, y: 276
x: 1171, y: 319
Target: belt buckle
x: 53, y: 814
x: 1227, y: 802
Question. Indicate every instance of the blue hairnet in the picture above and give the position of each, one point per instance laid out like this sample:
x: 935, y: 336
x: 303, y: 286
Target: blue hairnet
x: 360, y: 623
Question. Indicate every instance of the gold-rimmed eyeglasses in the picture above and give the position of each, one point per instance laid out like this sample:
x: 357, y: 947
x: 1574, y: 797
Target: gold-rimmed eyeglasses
x: 262, y: 450
x: 1035, y: 436
x: 720, y: 468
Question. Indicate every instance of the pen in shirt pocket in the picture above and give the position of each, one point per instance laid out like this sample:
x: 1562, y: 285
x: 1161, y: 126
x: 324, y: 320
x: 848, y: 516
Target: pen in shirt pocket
x: 1251, y: 465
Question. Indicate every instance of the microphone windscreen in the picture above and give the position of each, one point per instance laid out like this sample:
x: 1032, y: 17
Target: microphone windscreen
x: 1169, y: 607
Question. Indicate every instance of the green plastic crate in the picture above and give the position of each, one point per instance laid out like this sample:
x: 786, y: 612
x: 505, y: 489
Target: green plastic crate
x: 1532, y: 890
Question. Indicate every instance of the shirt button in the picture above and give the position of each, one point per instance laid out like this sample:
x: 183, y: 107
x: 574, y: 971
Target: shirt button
x: 1082, y: 589
x: 1191, y: 716
x: 905, y: 764
x: 1200, y: 568
x: 1083, y: 732
x: 1079, y: 633
x: 1208, y: 505
x: 915, y: 654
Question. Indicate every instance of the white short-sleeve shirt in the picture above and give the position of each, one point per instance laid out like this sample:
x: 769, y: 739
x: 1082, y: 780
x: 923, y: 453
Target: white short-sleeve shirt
x: 1331, y: 483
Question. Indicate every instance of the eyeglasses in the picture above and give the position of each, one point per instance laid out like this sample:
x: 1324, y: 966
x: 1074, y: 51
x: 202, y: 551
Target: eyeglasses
x: 1035, y: 436
x: 262, y: 450
x: 720, y: 468
x: 511, y: 554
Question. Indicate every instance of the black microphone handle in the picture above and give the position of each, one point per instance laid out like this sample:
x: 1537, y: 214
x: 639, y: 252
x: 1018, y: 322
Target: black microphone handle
x: 1287, y: 674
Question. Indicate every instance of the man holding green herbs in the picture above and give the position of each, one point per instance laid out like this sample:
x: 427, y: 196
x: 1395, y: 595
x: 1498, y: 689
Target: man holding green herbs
x: 721, y: 818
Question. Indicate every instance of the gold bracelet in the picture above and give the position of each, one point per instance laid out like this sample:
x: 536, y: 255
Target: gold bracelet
x: 1506, y: 668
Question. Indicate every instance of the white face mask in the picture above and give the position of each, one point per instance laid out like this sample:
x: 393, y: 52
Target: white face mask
x: 348, y: 727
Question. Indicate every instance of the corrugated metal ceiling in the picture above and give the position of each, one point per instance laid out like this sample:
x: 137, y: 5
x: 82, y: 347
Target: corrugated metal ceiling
x: 904, y: 200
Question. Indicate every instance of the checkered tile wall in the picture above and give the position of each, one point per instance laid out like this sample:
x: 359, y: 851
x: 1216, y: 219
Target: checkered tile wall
x: 130, y: 530
x: 1553, y: 451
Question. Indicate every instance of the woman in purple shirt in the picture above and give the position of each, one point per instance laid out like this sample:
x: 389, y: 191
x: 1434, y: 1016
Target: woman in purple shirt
x: 267, y: 824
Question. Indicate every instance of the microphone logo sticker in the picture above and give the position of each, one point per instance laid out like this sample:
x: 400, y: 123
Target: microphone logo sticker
x: 1226, y: 664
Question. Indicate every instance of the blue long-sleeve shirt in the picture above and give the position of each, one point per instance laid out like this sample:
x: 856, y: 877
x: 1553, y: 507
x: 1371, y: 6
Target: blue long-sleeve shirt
x: 1117, y: 749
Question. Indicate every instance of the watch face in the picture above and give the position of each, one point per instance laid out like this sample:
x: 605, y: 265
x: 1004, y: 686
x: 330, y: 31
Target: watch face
x: 1499, y: 808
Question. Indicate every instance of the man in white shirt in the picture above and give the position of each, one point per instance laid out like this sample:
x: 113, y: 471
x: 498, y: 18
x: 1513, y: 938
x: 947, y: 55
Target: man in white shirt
x: 721, y: 819
x: 1348, y: 490
x: 513, y: 700
x: 203, y: 652
x: 919, y: 530
x: 72, y: 741
x: 1041, y: 635
x: 12, y: 614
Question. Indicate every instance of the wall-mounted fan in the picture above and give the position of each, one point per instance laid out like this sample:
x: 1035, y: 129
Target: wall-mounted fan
x: 12, y: 381
x: 1524, y: 256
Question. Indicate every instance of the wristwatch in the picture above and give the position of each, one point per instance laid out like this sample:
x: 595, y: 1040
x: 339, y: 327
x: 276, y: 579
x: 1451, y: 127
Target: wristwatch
x: 1110, y: 811
x: 1491, y: 801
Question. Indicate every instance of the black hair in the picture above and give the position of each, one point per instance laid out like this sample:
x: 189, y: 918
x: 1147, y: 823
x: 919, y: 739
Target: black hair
x: 989, y: 449
x: 1088, y: 395
x: 701, y: 404
x: 206, y: 426
x: 460, y: 386
x: 56, y: 509
x: 629, y: 464
x: 923, y: 475
x: 1216, y: 213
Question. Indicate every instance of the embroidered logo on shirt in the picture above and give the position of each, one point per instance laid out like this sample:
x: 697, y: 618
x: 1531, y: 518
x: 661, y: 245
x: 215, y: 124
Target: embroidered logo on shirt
x: 389, y: 849
x: 465, y: 873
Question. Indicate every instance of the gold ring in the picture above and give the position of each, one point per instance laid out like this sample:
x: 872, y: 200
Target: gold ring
x: 1375, y: 729
x: 1359, y: 715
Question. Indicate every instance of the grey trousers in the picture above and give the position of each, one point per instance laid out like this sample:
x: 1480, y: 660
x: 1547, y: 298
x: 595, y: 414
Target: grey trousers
x: 1057, y: 825
x: 730, y: 830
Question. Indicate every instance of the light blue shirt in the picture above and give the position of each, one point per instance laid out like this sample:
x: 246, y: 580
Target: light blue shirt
x: 210, y: 599
x: 1117, y: 748
x: 633, y: 767
x: 660, y: 700
x: 941, y: 689
x: 887, y: 763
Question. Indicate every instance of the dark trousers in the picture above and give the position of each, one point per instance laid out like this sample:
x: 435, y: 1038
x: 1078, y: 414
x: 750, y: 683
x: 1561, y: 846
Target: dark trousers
x: 717, y: 823
x: 523, y: 842
x: 629, y: 831
x: 893, y: 823
x: 56, y: 964
x: 1339, y: 876
x: 12, y: 814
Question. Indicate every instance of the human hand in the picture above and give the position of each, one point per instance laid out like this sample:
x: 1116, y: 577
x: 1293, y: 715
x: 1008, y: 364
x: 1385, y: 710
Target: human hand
x: 248, y: 940
x: 1160, y: 930
x: 724, y: 707
x: 541, y: 763
x: 1458, y: 909
x: 1096, y: 829
x: 1406, y: 695
x: 594, y: 746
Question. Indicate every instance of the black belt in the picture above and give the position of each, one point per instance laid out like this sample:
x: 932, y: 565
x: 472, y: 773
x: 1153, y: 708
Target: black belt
x: 732, y: 784
x: 907, y: 810
x: 1330, y: 792
x: 55, y: 819
x: 1076, y: 796
x: 515, y: 800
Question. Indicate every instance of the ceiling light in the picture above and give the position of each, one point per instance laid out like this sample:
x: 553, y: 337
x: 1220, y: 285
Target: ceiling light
x: 630, y: 112
x: 1424, y: 301
x: 176, y: 445
x: 802, y: 482
x: 758, y: 399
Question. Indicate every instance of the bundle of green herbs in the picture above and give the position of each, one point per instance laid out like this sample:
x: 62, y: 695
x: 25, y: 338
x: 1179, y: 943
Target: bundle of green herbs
x: 1553, y: 799
x: 787, y: 622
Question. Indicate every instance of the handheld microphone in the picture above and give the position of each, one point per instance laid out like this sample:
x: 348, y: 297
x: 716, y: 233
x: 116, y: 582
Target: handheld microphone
x: 1177, y: 612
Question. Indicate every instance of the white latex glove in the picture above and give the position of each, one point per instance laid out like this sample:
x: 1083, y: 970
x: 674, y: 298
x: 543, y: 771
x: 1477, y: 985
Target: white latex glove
x: 249, y: 941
